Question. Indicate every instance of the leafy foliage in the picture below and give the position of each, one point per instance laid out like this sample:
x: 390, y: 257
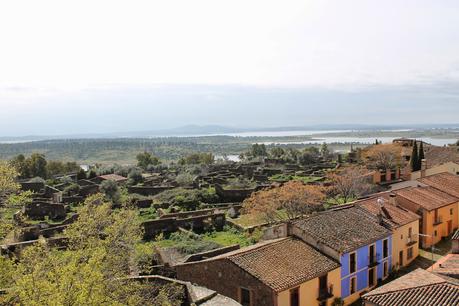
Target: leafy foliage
x: 291, y: 200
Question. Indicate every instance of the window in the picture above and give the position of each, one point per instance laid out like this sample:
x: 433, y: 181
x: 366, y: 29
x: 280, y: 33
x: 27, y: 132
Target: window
x: 451, y: 211
x: 295, y: 297
x: 410, y: 253
x: 372, y: 254
x: 353, y: 285
x: 245, y: 297
x: 371, y: 277
x: 410, y: 232
x: 385, y: 248
x: 352, y: 263
x: 386, y: 270
x: 435, y: 233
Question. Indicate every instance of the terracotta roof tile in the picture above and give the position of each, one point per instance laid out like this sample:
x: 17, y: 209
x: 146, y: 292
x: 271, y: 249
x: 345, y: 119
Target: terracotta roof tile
x: 344, y: 229
x: 393, y: 216
x: 283, y: 264
x: 427, y: 197
x: 445, y: 182
x: 419, y: 287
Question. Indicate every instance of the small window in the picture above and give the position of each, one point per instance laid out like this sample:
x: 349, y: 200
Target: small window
x: 385, y: 248
x: 410, y: 232
x: 245, y: 297
x: 352, y: 263
x: 353, y: 285
x: 451, y: 211
x: 435, y: 233
x: 410, y: 253
x: 386, y: 270
x: 295, y: 297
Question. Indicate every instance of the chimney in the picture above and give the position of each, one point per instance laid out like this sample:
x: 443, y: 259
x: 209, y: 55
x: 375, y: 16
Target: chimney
x: 380, y: 202
x: 423, y: 167
x: 393, y: 199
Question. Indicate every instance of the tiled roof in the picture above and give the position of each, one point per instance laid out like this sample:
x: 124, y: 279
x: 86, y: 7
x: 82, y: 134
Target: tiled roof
x: 284, y: 264
x: 393, y: 216
x: 439, y: 155
x: 448, y: 266
x: 280, y: 264
x: 445, y: 182
x: 416, y: 288
x: 427, y: 197
x: 344, y: 229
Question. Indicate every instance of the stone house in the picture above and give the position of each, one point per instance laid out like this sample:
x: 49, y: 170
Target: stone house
x: 352, y: 238
x: 281, y: 272
x: 403, y: 224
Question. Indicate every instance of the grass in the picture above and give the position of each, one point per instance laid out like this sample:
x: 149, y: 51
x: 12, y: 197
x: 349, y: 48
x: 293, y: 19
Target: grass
x: 250, y: 220
x: 230, y: 237
x: 304, y: 179
x: 146, y: 214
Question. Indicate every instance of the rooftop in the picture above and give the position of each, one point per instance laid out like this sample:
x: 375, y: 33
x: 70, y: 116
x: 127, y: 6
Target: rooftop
x: 393, y: 216
x: 446, y: 182
x: 343, y: 229
x: 448, y: 266
x: 281, y: 264
x: 429, y: 198
x: 419, y: 287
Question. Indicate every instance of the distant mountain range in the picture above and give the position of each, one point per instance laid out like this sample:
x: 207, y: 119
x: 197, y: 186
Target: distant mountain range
x: 204, y: 130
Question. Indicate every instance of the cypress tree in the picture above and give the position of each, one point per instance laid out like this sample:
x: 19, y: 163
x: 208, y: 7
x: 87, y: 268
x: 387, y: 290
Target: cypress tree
x: 414, y: 157
x: 421, y: 155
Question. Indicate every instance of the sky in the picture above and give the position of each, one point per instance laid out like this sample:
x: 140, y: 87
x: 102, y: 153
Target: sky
x: 103, y: 66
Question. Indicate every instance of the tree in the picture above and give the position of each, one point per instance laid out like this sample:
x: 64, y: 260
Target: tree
x: 81, y: 175
x: 135, y: 176
x: 414, y: 160
x: 277, y: 152
x: 8, y: 184
x: 111, y: 190
x: 92, y: 174
x: 289, y: 201
x: 36, y: 164
x: 382, y: 156
x: 324, y: 151
x: 93, y: 270
x: 349, y: 184
x: 258, y: 150
x: 197, y: 159
x: 19, y: 163
x: 145, y: 159
x: 421, y: 155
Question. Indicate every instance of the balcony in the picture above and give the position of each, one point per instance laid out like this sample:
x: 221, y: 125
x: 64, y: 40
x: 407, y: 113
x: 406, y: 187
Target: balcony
x: 437, y: 221
x: 410, y: 241
x: 325, y: 293
x: 373, y: 260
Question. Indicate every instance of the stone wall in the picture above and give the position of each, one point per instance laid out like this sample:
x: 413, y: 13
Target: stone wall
x: 147, y: 190
x: 226, y: 278
x: 42, y: 209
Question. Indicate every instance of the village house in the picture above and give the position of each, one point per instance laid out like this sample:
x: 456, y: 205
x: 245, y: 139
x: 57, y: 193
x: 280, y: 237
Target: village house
x: 419, y: 287
x: 281, y: 272
x: 438, y: 211
x: 120, y: 180
x: 350, y: 236
x: 403, y: 224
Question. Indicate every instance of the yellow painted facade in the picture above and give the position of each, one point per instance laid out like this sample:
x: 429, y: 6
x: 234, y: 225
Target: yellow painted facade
x: 450, y: 167
x: 448, y: 219
x: 309, y: 291
x: 404, y: 238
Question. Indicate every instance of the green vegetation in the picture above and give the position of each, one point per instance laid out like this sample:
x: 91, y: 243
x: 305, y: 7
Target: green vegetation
x: 187, y: 199
x: 286, y: 177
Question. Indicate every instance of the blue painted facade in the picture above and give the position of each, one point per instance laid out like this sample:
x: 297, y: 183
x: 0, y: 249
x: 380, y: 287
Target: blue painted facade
x: 363, y: 264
